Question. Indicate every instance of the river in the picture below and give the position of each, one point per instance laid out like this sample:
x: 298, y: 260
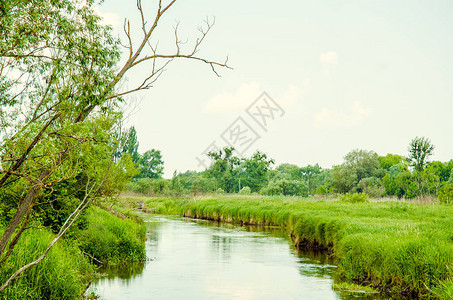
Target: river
x: 196, y: 259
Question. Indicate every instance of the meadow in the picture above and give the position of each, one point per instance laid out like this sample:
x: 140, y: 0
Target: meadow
x: 399, y: 247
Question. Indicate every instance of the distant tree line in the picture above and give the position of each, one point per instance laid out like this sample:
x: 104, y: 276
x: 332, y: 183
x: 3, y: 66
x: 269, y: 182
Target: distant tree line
x: 362, y: 171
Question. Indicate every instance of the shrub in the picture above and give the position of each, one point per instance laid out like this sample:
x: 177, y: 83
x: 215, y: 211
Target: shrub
x: 446, y: 194
x: 354, y: 198
x: 372, y: 186
x: 286, y: 187
x: 220, y: 191
x: 245, y: 191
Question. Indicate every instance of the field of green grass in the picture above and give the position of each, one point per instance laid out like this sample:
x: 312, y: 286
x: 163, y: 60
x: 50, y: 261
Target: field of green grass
x: 398, y: 247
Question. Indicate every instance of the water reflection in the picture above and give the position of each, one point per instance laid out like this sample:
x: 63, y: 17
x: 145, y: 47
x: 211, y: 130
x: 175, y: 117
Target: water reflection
x: 195, y: 259
x: 124, y: 271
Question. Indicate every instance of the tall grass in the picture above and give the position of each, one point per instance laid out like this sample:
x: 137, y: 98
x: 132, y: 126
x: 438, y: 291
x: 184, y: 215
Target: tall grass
x: 61, y: 275
x: 108, y: 238
x: 397, y: 247
x: 66, y: 271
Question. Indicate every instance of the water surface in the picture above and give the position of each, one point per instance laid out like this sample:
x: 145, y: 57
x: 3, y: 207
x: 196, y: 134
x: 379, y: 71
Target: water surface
x: 195, y: 259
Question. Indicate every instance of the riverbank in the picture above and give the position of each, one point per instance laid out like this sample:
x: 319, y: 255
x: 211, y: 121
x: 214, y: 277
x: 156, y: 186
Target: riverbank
x: 397, y: 247
x: 98, y: 237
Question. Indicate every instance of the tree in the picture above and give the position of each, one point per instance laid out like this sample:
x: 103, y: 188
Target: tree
x: 390, y: 160
x: 289, y: 171
x: 59, y: 98
x: 255, y: 171
x: 224, y: 169
x: 420, y: 149
x: 151, y: 164
x: 358, y: 165
x: 342, y: 178
x: 128, y: 144
x: 364, y: 163
x: 309, y: 173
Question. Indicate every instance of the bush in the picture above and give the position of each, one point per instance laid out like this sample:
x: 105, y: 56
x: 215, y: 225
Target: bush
x: 446, y: 194
x: 286, y: 187
x: 354, y: 198
x: 372, y: 186
x: 220, y: 191
x: 245, y: 191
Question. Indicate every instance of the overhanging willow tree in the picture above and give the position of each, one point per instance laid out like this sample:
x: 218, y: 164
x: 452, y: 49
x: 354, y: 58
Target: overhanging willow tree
x: 59, y: 98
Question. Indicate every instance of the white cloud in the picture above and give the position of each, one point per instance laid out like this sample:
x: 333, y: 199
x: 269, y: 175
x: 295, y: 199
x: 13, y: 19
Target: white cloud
x: 108, y: 18
x: 330, y: 58
x: 356, y: 114
x: 290, y: 98
x: 228, y: 102
x: 245, y: 95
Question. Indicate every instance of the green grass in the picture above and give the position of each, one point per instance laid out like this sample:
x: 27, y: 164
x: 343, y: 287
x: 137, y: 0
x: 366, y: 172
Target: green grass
x: 63, y: 274
x: 353, y: 288
x: 66, y: 271
x: 397, y: 247
x: 111, y: 239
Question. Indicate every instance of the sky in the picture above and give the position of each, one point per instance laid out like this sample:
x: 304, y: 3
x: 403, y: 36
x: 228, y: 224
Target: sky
x: 338, y: 75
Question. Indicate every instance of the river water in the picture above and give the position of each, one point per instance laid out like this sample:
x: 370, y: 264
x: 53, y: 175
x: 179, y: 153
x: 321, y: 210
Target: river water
x: 195, y: 259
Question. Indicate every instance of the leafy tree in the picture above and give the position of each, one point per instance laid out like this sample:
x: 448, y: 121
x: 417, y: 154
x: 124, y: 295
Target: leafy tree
x: 390, y: 186
x: 363, y: 163
x: 289, y: 171
x: 151, y: 164
x: 224, y: 169
x: 390, y: 160
x: 372, y: 186
x: 286, y: 187
x: 254, y: 171
x: 343, y: 178
x: 128, y: 144
x: 406, y: 185
x: 420, y: 149
x: 310, y: 174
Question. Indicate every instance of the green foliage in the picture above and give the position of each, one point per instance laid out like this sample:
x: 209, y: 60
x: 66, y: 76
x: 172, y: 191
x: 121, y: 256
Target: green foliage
x: 111, y: 239
x: 61, y: 275
x: 254, y: 171
x: 406, y: 185
x: 286, y: 187
x: 220, y: 191
x: 128, y: 144
x: 420, y: 149
x: 446, y: 194
x: 151, y: 164
x: 224, y: 169
x: 342, y: 179
x: 288, y: 171
x: 354, y: 198
x: 149, y: 186
x: 120, y: 175
x: 371, y: 186
x: 312, y: 175
x: 390, y: 160
x: 245, y: 191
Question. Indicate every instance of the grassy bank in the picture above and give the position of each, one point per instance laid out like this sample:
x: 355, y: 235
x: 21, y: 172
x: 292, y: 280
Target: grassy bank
x: 398, y: 247
x: 111, y: 239
x: 66, y: 271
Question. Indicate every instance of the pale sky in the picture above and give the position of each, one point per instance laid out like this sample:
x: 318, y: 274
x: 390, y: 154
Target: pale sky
x: 348, y: 74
